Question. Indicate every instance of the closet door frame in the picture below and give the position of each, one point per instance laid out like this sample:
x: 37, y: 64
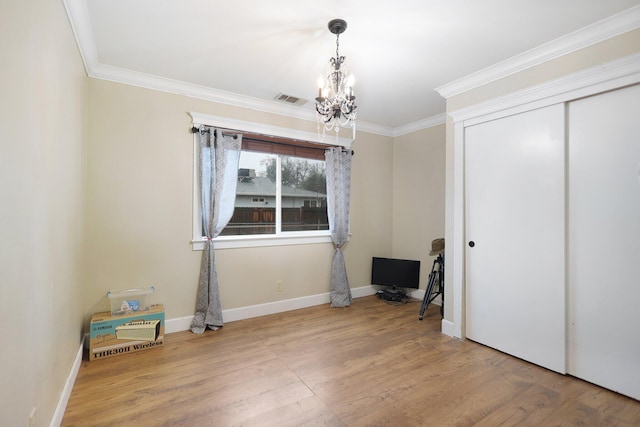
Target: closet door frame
x: 602, y: 78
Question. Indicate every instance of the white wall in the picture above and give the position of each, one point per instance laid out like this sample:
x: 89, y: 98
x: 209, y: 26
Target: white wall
x: 418, y: 195
x: 140, y: 169
x: 43, y: 104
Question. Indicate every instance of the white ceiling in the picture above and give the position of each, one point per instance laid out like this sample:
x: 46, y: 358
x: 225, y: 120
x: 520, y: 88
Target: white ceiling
x: 248, y: 51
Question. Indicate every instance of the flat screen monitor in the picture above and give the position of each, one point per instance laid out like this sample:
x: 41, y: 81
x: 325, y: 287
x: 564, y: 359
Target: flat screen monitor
x: 396, y: 273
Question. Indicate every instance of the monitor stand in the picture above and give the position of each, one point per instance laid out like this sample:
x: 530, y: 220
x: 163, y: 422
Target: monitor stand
x: 393, y: 294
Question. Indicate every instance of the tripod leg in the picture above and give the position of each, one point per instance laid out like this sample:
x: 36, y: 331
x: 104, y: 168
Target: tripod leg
x: 427, y: 295
x: 442, y: 293
x: 441, y: 284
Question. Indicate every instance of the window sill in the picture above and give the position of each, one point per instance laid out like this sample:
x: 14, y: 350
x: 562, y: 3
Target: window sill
x: 234, y: 242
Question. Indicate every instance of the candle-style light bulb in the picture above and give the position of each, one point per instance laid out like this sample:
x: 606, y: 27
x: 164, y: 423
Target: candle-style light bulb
x: 351, y: 80
x: 320, y: 86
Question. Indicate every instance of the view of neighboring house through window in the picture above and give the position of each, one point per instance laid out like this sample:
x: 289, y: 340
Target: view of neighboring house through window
x: 278, y: 193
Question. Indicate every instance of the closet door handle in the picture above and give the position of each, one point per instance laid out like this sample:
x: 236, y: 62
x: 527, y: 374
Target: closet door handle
x: 471, y: 243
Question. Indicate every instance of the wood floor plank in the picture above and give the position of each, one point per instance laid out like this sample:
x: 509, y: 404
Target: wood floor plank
x: 372, y: 364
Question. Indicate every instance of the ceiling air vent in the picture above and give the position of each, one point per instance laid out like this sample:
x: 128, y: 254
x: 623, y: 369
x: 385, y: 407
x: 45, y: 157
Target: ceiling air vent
x: 288, y: 99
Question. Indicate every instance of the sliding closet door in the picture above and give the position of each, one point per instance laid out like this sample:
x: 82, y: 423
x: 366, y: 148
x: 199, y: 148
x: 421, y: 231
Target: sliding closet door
x: 515, y: 232
x: 604, y: 240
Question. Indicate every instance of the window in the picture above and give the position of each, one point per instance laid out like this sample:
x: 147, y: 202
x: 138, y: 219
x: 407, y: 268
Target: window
x: 281, y: 190
x: 278, y: 193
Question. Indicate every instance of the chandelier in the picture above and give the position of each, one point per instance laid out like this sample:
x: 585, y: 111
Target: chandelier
x: 335, y: 104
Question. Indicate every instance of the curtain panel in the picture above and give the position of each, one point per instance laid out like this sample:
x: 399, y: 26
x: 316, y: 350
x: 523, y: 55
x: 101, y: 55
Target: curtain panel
x: 338, y: 164
x: 218, y: 171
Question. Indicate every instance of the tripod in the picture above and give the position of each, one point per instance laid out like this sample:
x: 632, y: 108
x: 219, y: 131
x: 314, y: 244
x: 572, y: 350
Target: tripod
x: 435, y: 286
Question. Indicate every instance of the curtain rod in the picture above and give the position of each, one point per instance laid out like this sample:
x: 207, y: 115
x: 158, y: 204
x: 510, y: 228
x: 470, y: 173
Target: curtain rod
x: 208, y: 130
x: 254, y: 136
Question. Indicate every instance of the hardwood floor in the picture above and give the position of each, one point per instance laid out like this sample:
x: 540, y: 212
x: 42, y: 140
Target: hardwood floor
x: 371, y: 364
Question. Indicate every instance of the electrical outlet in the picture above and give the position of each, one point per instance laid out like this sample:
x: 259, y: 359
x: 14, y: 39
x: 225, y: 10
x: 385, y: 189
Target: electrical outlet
x: 279, y: 286
x: 32, y: 417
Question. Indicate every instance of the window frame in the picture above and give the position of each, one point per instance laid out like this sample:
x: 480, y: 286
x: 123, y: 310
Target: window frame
x: 258, y: 240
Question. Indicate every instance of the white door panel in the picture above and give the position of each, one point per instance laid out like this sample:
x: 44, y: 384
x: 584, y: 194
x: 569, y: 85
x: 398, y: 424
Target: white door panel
x: 604, y: 240
x: 515, y: 215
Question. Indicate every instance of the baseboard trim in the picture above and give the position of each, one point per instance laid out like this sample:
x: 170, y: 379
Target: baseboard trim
x: 419, y: 294
x: 58, y: 414
x: 448, y: 328
x: 233, y: 314
x: 179, y: 324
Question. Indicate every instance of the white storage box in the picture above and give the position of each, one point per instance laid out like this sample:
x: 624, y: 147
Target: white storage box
x: 130, y: 300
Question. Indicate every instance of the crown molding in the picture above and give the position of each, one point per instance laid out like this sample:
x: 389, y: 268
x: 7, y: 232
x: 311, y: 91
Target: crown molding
x: 373, y: 128
x: 429, y: 122
x: 595, y: 33
x: 607, y: 76
x: 82, y: 31
x: 163, y: 84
